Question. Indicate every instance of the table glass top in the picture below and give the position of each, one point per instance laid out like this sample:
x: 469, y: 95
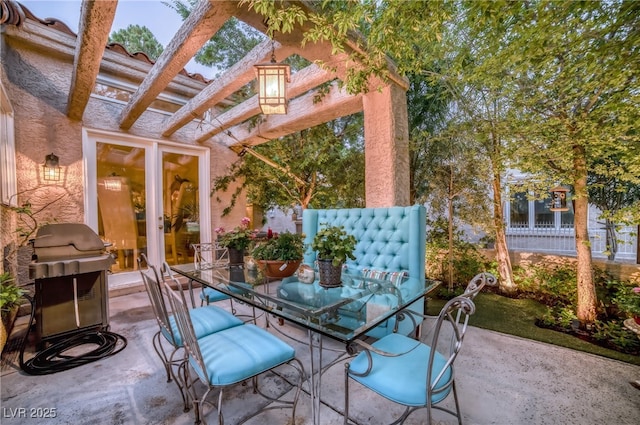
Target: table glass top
x: 343, y: 313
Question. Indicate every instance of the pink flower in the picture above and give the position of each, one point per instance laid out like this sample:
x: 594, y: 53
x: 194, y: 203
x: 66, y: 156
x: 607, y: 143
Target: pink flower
x: 219, y: 230
x: 636, y: 289
x: 245, y: 221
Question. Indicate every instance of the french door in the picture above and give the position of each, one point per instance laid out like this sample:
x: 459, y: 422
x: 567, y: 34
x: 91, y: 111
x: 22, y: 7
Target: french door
x: 145, y: 196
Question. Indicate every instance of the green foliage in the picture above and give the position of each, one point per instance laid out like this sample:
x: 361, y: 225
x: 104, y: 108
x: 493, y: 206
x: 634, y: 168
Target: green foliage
x: 309, y: 169
x: 10, y: 294
x: 334, y: 243
x: 615, y: 335
x: 136, y: 38
x: 626, y: 298
x: 282, y: 246
x: 467, y: 260
x: 552, y: 284
x: 560, y: 315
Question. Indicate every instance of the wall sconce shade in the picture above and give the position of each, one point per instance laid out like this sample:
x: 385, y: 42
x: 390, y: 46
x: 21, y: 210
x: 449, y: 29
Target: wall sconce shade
x: 272, y: 86
x: 559, y: 199
x: 51, y: 168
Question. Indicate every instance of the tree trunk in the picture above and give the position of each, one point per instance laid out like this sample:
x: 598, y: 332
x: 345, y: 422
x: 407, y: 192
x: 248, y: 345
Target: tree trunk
x: 505, y: 272
x: 450, y: 231
x: 612, y: 241
x: 587, y: 299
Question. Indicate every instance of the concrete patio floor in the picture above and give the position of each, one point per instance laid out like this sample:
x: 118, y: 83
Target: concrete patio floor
x: 501, y: 380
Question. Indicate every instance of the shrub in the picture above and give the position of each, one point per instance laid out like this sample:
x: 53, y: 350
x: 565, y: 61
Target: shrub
x: 467, y: 260
x: 10, y: 294
x: 616, y: 336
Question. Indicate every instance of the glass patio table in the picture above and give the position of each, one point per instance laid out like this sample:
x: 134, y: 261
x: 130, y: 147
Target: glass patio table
x: 344, y: 313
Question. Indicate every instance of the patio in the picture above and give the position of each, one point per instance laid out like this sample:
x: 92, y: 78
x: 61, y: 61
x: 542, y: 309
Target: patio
x: 501, y: 380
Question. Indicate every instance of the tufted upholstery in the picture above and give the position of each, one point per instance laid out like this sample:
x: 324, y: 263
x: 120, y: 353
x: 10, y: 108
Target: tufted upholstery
x: 389, y: 239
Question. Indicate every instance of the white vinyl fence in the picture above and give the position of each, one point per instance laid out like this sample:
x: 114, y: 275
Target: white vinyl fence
x: 562, y: 241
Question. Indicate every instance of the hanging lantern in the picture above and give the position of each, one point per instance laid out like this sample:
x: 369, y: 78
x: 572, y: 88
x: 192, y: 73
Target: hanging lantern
x: 272, y: 85
x: 51, y: 168
x: 559, y: 199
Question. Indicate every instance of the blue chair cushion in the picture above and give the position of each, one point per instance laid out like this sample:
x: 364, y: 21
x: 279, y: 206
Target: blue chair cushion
x: 238, y: 353
x: 210, y: 295
x: 402, y: 379
x: 206, y: 320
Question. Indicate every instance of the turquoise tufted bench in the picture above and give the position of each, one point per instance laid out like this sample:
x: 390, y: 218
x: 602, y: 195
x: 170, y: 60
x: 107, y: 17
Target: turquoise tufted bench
x: 389, y: 240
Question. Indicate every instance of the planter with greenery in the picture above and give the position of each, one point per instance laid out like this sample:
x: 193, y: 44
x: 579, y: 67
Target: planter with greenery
x: 236, y: 240
x: 280, y: 255
x: 10, y: 296
x: 333, y: 245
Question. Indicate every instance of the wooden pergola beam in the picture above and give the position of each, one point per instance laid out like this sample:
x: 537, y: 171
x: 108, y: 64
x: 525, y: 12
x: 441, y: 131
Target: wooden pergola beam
x: 96, y: 18
x: 304, y: 112
x: 203, y: 22
x: 301, y: 82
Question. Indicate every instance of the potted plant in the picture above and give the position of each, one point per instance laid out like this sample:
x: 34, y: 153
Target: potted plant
x: 280, y: 255
x: 236, y: 240
x: 333, y: 245
x: 10, y: 296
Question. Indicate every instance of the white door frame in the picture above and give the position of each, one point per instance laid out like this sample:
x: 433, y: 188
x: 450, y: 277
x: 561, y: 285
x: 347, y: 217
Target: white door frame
x: 153, y: 187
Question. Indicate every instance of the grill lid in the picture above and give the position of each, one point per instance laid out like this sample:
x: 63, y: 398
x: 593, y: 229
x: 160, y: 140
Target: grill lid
x: 66, y: 240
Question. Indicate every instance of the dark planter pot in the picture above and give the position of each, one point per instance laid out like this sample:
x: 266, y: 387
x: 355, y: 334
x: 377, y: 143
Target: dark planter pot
x: 330, y: 275
x: 278, y: 269
x: 236, y: 256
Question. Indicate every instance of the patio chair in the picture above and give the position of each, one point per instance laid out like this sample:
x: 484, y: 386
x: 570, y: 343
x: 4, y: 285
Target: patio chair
x: 229, y: 357
x: 207, y: 320
x: 412, y: 373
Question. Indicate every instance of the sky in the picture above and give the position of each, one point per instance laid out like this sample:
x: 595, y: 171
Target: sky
x: 163, y: 21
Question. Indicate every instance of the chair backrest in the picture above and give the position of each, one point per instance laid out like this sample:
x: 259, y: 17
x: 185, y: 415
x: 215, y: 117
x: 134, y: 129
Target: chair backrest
x: 388, y: 239
x: 477, y: 283
x: 152, y: 283
x: 185, y: 327
x: 455, y: 314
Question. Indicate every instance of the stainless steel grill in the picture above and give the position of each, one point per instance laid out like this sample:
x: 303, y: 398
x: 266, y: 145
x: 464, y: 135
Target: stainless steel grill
x: 70, y: 271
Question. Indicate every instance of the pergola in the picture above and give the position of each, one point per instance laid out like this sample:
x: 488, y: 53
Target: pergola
x: 384, y: 105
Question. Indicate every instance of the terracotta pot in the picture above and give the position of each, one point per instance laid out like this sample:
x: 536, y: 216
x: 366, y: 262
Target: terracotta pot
x: 277, y: 269
x: 330, y: 275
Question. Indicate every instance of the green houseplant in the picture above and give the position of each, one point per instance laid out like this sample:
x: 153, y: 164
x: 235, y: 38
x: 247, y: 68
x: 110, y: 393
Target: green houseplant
x: 280, y: 255
x: 333, y: 245
x: 237, y: 240
x: 10, y: 296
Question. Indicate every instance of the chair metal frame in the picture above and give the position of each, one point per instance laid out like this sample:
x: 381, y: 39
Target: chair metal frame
x: 152, y: 280
x: 455, y: 313
x: 193, y: 353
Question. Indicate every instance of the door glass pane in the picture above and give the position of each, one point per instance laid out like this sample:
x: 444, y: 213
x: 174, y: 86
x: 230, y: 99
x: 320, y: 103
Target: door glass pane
x: 181, y: 206
x: 121, y: 202
x: 519, y: 211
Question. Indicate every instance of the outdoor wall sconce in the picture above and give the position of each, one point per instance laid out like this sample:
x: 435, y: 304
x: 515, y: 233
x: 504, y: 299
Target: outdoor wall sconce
x: 272, y: 85
x: 559, y: 199
x: 51, y: 168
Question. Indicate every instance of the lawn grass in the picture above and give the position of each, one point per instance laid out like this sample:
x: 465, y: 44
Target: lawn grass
x: 517, y: 317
